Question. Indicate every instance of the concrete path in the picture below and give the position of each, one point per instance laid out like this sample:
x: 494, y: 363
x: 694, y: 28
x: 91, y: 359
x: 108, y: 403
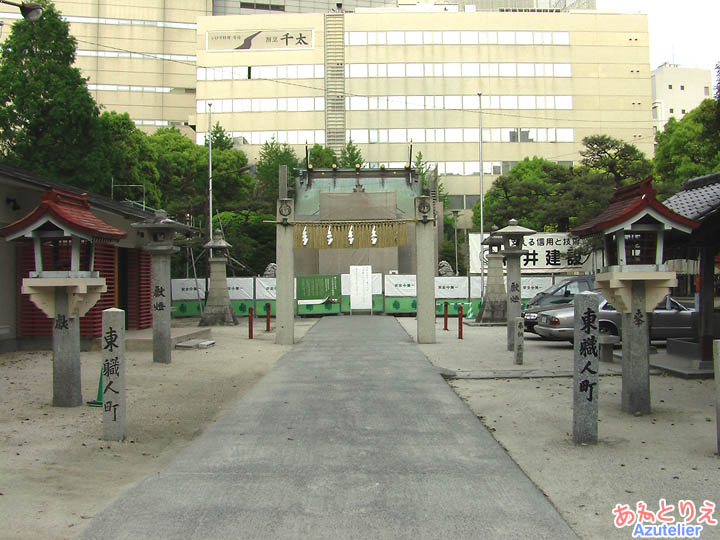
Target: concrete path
x: 352, y: 435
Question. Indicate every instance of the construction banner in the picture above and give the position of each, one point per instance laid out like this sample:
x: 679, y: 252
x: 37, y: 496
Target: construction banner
x: 350, y: 235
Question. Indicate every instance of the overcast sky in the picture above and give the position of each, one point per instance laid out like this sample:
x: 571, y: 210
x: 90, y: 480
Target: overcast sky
x: 683, y: 32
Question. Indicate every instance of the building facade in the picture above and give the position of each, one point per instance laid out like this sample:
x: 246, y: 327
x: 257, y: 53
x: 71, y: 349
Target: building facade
x: 388, y: 78
x: 550, y: 73
x: 677, y: 90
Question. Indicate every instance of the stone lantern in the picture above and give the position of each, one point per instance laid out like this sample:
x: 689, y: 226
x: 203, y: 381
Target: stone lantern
x: 64, y: 290
x: 512, y: 238
x: 159, y: 233
x: 494, y: 302
x: 218, y: 309
x: 635, y: 279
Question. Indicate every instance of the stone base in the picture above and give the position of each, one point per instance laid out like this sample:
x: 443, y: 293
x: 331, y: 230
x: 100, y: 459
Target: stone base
x: 493, y: 311
x: 219, y: 317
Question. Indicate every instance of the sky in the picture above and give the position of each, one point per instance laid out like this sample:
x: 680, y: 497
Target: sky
x: 683, y: 32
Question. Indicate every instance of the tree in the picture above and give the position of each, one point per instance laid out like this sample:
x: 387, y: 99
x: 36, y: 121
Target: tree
x: 688, y: 148
x: 520, y: 195
x: 48, y: 119
x: 182, y: 170
x: 220, y: 139
x: 619, y: 161
x: 252, y: 239
x: 272, y: 155
x: 322, y: 157
x: 545, y: 196
x: 129, y: 159
x: 350, y: 156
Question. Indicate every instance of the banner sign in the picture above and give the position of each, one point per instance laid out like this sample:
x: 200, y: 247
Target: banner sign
x: 240, y: 288
x: 350, y: 235
x: 451, y: 287
x: 530, y: 286
x: 547, y: 253
x: 252, y: 40
x: 265, y: 288
x: 360, y: 287
x: 323, y: 289
x: 187, y: 289
x: 397, y: 285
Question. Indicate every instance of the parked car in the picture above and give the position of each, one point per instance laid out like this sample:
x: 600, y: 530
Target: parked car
x: 670, y: 319
x: 555, y: 295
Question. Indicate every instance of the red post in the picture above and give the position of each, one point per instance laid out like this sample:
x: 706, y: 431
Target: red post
x: 446, y: 316
x: 251, y: 316
x: 267, y: 320
x: 460, y: 321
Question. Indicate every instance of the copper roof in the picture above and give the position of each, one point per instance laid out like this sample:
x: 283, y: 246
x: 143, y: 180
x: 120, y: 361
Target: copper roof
x: 71, y: 210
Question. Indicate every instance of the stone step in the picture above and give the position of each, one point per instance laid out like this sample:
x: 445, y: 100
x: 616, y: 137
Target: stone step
x: 195, y: 344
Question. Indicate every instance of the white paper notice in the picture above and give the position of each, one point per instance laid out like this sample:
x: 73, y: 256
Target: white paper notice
x: 360, y: 287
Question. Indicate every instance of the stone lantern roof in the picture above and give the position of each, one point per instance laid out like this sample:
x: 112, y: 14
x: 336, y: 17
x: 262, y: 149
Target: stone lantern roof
x: 68, y: 212
x: 630, y: 204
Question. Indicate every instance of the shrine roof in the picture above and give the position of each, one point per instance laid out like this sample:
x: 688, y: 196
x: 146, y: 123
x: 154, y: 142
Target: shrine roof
x: 698, y: 199
x: 628, y: 202
x: 70, y: 210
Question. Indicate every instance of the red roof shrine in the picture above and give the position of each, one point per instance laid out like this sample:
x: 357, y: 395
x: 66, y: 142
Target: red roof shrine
x: 628, y: 205
x: 66, y: 211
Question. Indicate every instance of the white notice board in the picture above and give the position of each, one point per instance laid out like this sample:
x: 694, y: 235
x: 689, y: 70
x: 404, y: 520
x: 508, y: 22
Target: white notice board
x: 360, y: 287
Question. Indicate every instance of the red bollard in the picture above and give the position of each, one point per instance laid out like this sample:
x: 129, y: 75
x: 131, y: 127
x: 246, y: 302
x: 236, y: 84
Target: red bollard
x: 460, y: 321
x: 267, y: 321
x: 446, y: 316
x: 251, y: 316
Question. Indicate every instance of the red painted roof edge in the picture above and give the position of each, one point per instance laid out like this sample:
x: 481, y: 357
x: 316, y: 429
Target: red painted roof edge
x: 71, y: 210
x: 644, y: 194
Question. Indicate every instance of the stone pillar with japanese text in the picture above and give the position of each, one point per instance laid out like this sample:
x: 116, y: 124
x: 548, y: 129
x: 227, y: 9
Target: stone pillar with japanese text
x: 161, y: 302
x: 113, y: 375
x: 514, y: 299
x: 67, y: 390
x: 635, y: 351
x: 586, y: 368
x: 519, y: 341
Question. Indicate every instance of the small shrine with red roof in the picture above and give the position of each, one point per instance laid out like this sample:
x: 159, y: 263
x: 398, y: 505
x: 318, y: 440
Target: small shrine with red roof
x: 64, y: 218
x: 634, y: 228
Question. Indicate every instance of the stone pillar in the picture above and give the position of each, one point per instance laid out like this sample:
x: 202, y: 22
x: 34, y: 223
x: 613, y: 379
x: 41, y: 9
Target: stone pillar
x: 285, y: 274
x: 425, y: 282
x: 494, y: 308
x: 161, y: 303
x: 586, y: 368
x: 113, y: 375
x: 635, y: 349
x: 519, y: 343
x: 67, y: 386
x: 514, y: 302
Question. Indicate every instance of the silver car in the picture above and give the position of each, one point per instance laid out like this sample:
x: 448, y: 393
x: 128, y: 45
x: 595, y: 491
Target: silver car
x: 670, y: 319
